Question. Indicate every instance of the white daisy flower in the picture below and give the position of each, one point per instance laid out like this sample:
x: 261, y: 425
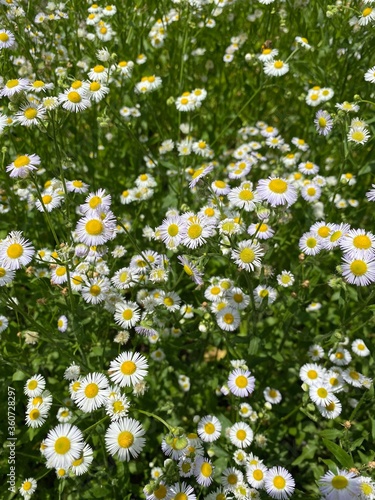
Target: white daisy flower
x: 92, y: 392
x: 279, y: 483
x: 124, y: 439
x: 63, y: 444
x: 128, y: 369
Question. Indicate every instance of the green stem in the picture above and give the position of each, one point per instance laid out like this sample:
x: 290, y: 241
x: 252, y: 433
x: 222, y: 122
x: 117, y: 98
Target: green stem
x: 156, y: 417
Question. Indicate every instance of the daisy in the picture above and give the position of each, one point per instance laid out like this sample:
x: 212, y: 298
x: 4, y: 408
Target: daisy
x: 348, y: 107
x: 199, y: 174
x: 14, y: 86
x: 272, y: 396
x: 277, y: 191
x: 36, y: 415
x: 96, y: 91
x: 358, y: 135
x: 360, y: 348
x: 76, y: 186
x: 209, y: 428
x: 59, y: 275
x: 28, y: 486
x: 308, y: 168
x: 93, y: 230
x: 320, y: 393
x: 64, y: 415
x: 230, y: 478
x: 95, y: 290
x: 262, y: 293
x: 181, y: 491
x: 309, y: 244
x: 191, y: 270
x: 171, y: 230
x: 127, y: 314
x: 340, y: 356
x: 7, y: 39
x: 228, y: 319
x: 256, y: 475
x: 241, y: 383
x: 370, y: 75
x: 332, y: 409
x: 241, y: 435
x: 63, y: 444
x: 124, y: 438
x: 276, y: 68
x: 367, y: 488
x: 352, y: 377
x: 29, y: 114
x: 196, y: 231
x: 82, y: 464
x: 285, y: 279
x: 279, y: 483
x: 340, y: 486
x: 92, y: 392
x: 62, y: 324
x: 3, y: 323
x: 311, y: 192
x: 98, y: 74
x: 73, y: 101
x: 15, y: 251
x: 247, y: 255
x: 40, y: 86
x: 311, y: 373
x: 203, y: 471
x: 23, y: 165
x: 368, y: 15
x: 262, y: 231
x: 237, y: 298
x: 48, y: 201
x: 358, y: 243
x: 128, y: 369
x: 359, y: 271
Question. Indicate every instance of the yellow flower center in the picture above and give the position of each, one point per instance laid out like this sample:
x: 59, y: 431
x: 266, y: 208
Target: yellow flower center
x: 232, y: 479
x: 278, y: 64
x: 118, y: 407
x: 238, y: 298
x: 209, y: 428
x: 184, y: 100
x: 220, y: 184
x: 358, y: 135
x: 77, y: 280
x: 168, y: 301
x: 278, y: 186
x: 103, y: 30
x: 26, y: 486
x: 354, y: 375
x: 228, y: 318
x: 161, y: 492
x: 362, y: 242
x: 62, y: 445
x: 339, y: 482
x: 99, y: 68
x: 77, y: 184
x: 91, y: 390
x: 95, y: 201
x: 358, y: 267
x: 30, y: 113
x: 206, y: 469
x: 14, y: 251
x: 12, y: 83
x: 4, y: 37
x: 173, y: 230
x: 21, y: 161
x: 194, y: 231
x: 38, y: 84
x: 34, y: 414
x: 94, y: 227
x: 2, y: 272
x: 361, y: 347
x: 181, y: 496
x: 60, y: 271
x: 127, y: 314
x: 258, y: 475
x: 272, y: 393
x: 279, y: 482
x: 95, y: 290
x: 37, y: 400
x: 77, y: 462
x: 241, y: 435
x: 241, y: 381
x: 366, y: 12
x: 95, y: 86
x: 311, y: 191
x: 74, y: 97
x: 47, y: 199
x: 128, y: 367
x: 311, y: 242
x: 33, y: 384
x: 322, y: 393
x: 125, y: 439
x: 247, y: 255
x: 188, y: 270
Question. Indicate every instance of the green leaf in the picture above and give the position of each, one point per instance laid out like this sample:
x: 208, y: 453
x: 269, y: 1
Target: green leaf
x: 330, y: 464
x: 254, y: 346
x: 330, y: 434
x: 356, y: 443
x: 341, y: 455
x: 18, y: 375
x: 307, y: 453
